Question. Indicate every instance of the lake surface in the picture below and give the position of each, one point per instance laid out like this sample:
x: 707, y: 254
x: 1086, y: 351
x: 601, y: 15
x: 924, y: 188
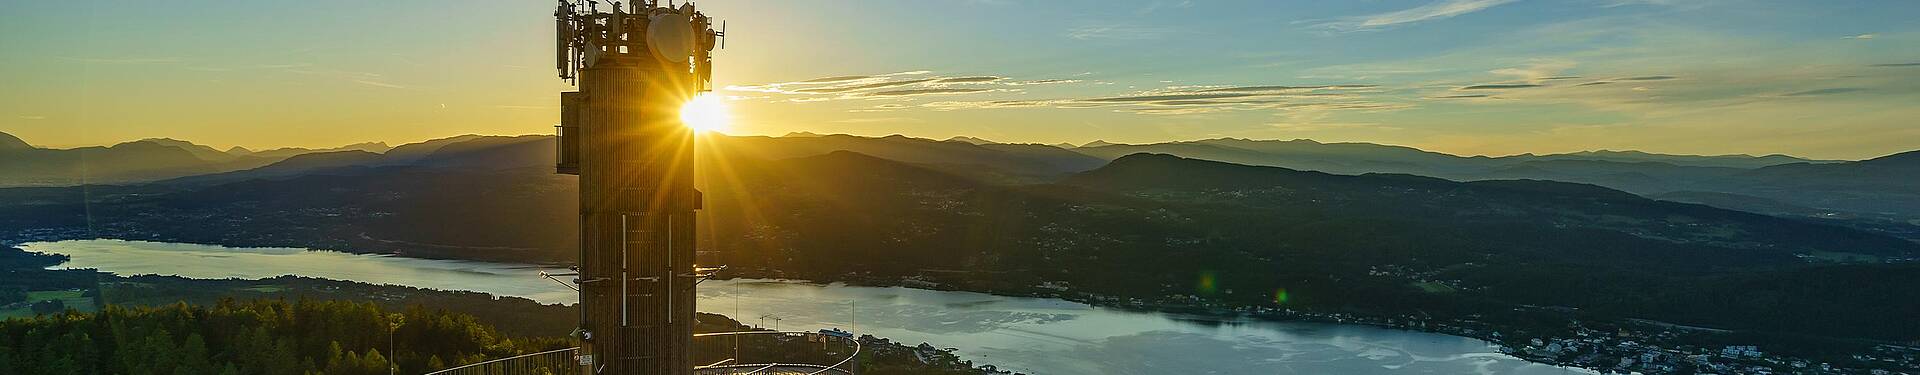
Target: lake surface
x: 1033, y: 335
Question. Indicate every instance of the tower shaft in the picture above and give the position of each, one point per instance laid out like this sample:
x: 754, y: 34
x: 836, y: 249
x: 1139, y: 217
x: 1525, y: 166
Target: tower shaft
x: 635, y: 65
x: 636, y: 215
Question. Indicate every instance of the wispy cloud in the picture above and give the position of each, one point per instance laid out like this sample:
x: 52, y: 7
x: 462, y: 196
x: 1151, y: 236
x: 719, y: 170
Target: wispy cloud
x: 1442, y: 9
x: 999, y: 91
x: 123, y: 61
x: 900, y: 85
x: 1621, y: 3
x: 868, y: 86
x: 1499, y: 86
x: 1824, y: 92
x: 1463, y: 96
x: 1040, y: 82
x: 1193, y: 100
x: 913, y: 92
x: 1862, y: 36
x: 1118, y: 32
x: 377, y: 84
x: 1157, y: 5
x: 1646, y: 78
x: 973, y: 79
x: 834, y: 79
x: 873, y: 120
x: 1539, y: 70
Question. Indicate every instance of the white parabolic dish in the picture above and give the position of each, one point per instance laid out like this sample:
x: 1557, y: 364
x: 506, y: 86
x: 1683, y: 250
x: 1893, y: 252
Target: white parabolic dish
x: 670, y: 36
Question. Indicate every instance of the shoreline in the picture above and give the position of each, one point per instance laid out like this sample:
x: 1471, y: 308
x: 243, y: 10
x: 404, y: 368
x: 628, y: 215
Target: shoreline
x: 1513, y: 345
x: 1185, y: 312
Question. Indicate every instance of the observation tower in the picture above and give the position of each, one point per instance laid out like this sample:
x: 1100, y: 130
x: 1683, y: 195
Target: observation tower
x: 636, y: 65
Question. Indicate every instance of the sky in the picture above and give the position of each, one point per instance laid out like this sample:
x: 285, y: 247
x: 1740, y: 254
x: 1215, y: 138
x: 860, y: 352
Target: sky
x: 1821, y: 79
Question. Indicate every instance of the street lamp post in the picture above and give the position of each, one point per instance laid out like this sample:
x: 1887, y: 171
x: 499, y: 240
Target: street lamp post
x: 393, y: 358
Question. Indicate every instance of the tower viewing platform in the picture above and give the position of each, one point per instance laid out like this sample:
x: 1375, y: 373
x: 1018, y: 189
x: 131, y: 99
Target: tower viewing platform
x: 723, y: 353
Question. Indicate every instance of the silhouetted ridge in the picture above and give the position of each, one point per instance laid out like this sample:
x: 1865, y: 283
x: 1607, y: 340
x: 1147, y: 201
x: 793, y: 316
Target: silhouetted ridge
x: 410, y: 151
x: 1148, y: 170
x: 843, y: 166
x: 198, y: 151
x: 1557, y: 188
x: 10, y: 142
x: 491, y: 152
x: 1909, y: 159
x: 1024, y: 161
x: 1152, y: 170
x: 324, y: 160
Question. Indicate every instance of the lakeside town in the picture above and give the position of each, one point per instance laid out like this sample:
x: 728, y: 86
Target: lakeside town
x: 1623, y: 347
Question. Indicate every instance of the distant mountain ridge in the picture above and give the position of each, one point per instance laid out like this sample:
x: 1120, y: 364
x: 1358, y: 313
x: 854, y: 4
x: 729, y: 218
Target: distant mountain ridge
x: 1733, y: 161
x: 1358, y: 157
x: 10, y: 142
x: 1861, y: 187
x: 145, y: 160
x: 135, y: 161
x: 1868, y: 187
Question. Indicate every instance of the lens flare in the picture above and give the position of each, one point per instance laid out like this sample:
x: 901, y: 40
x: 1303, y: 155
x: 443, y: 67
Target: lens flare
x: 1207, y: 284
x: 705, y: 113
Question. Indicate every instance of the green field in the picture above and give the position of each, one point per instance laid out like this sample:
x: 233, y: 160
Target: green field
x: 1433, y: 287
x: 1843, y: 257
x: 72, y: 298
x: 266, y: 288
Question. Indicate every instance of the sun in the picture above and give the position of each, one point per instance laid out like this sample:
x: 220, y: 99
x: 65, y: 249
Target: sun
x: 705, y: 113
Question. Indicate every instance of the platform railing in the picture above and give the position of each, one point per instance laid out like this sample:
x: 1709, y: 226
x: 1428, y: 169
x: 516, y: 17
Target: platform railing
x: 723, y: 353
x: 551, y: 362
x: 774, y: 352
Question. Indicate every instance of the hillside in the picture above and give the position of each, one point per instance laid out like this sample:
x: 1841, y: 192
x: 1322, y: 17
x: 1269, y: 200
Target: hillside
x: 8, y: 142
x: 1848, y: 188
x: 1143, y: 227
x: 1146, y: 225
x: 130, y: 162
x: 1880, y: 185
x: 1011, y: 162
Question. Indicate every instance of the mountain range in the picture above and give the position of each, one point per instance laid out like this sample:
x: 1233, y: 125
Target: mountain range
x: 1872, y: 190
x: 22, y: 164
x: 1773, y: 184
x: 1141, y: 226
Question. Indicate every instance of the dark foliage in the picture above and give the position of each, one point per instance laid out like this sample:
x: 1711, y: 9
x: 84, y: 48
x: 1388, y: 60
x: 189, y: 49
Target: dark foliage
x: 255, y: 337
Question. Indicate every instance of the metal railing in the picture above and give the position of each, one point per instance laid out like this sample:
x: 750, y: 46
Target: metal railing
x: 724, y: 353
x: 551, y: 362
x: 774, y: 352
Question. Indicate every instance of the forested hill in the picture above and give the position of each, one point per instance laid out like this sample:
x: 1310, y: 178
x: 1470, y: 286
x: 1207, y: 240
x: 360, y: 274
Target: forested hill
x: 276, y: 337
x: 258, y: 337
x: 1866, y: 189
x: 1519, y: 203
x: 1148, y: 226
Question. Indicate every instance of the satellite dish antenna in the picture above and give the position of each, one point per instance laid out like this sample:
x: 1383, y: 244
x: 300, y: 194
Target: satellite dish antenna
x: 670, y: 36
x: 592, y: 55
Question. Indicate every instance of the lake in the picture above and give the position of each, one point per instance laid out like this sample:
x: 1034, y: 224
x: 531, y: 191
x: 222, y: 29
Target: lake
x: 1032, y: 335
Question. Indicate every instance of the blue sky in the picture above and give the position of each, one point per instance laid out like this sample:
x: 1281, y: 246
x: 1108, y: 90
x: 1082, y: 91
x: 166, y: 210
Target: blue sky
x: 1829, y: 79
